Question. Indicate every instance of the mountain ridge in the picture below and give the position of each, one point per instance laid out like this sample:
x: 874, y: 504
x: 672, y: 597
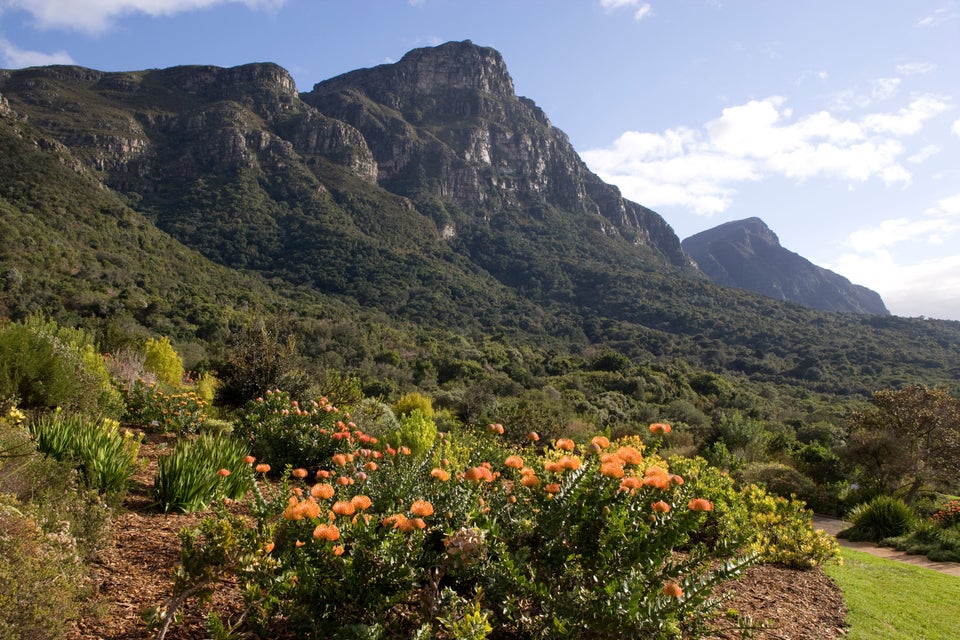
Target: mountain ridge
x: 747, y: 254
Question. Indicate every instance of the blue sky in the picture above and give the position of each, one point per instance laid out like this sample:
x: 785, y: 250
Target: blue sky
x: 835, y: 121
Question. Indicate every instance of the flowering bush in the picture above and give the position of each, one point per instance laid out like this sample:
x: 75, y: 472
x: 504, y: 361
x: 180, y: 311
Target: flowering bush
x: 572, y: 541
x: 181, y: 412
x: 948, y: 515
x: 281, y: 430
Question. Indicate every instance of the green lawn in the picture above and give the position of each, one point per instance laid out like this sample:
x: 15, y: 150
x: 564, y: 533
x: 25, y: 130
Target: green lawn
x: 890, y: 600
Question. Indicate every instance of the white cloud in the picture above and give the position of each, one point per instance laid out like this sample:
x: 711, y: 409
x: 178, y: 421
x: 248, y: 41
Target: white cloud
x: 884, y: 257
x: 95, y: 16
x: 938, y: 17
x: 908, y: 120
x: 924, y: 154
x: 916, y: 68
x: 643, y: 9
x: 699, y: 169
x: 955, y: 129
x: 883, y: 88
x: 13, y: 57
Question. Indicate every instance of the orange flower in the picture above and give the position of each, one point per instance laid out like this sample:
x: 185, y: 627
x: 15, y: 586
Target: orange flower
x: 249, y: 459
x: 514, y: 462
x: 601, y: 441
x: 700, y: 504
x: 421, y: 508
x: 530, y: 481
x: 328, y: 532
x: 660, y: 428
x: 268, y: 548
x: 370, y: 466
x: 661, y: 507
x: 673, y: 590
x: 553, y: 487
x: 299, y: 473
x: 299, y: 543
x: 533, y: 436
x: 440, y: 474
x: 339, y: 459
x: 612, y: 469
x: 342, y: 508
x: 479, y: 474
x: 361, y: 502
x: 527, y: 471
x: 223, y: 473
x: 656, y: 477
x: 417, y: 523
x: 338, y: 550
x: 566, y: 444
x: 344, y: 481
x: 262, y: 468
x: 629, y: 455
x: 630, y: 483
x: 322, y: 490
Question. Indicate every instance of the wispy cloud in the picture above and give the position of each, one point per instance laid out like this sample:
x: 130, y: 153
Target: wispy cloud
x: 916, y: 68
x: 875, y: 256
x: 640, y: 9
x: 955, y: 129
x: 13, y: 57
x: 937, y: 17
x: 96, y: 16
x: 909, y: 119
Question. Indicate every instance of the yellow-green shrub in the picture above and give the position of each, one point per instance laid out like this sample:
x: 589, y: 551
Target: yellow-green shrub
x: 163, y: 361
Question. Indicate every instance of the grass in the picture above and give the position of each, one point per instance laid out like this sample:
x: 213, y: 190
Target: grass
x: 890, y: 600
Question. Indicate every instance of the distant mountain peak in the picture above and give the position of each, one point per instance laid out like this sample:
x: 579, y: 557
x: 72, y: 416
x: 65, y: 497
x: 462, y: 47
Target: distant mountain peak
x: 747, y: 254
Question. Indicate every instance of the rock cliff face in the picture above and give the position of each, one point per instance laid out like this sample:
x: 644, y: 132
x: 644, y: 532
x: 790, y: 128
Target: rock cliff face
x: 446, y: 121
x: 746, y: 254
x: 384, y: 184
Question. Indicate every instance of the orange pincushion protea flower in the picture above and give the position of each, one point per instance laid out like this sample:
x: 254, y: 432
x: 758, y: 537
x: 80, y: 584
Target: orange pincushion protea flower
x: 339, y: 459
x: 612, y: 469
x: 223, y: 473
x: 566, y: 444
x: 299, y: 473
x: 700, y: 504
x: 421, y: 508
x: 601, y: 441
x: 673, y: 590
x: 338, y: 550
x: 530, y: 481
x: 629, y: 455
x: 361, y: 502
x: 514, y: 462
x: 328, y: 532
x: 656, y: 477
x: 660, y: 428
x: 553, y: 487
x: 249, y: 459
x: 262, y: 468
x: 660, y: 507
x: 630, y: 483
x: 322, y: 490
x: 343, y: 508
x: 440, y: 474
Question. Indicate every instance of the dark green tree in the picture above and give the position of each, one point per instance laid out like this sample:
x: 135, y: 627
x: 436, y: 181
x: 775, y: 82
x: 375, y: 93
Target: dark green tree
x: 908, y: 439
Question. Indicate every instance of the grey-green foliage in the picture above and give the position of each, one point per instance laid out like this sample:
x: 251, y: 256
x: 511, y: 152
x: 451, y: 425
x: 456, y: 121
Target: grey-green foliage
x: 188, y: 480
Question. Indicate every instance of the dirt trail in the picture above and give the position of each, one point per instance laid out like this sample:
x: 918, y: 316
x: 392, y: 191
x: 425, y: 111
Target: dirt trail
x: 833, y: 526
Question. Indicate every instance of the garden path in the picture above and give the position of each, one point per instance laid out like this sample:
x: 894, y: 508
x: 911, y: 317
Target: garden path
x: 833, y: 526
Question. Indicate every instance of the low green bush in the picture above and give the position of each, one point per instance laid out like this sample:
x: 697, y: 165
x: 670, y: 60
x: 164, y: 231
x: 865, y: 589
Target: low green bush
x: 882, y: 517
x: 150, y: 404
x: 43, y: 582
x: 199, y: 471
x: 105, y: 457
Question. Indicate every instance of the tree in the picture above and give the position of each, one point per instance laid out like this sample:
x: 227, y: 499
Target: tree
x: 909, y: 438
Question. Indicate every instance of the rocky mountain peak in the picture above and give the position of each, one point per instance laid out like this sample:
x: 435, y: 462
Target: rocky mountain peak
x: 747, y: 254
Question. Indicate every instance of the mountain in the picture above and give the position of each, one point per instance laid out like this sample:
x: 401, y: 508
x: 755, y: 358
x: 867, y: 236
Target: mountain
x: 416, y: 219
x: 748, y: 255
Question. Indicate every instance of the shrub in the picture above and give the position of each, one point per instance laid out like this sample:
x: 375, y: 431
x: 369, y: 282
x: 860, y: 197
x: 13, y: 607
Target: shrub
x: 563, y: 544
x: 162, y: 360
x: 183, y: 412
x: 409, y: 402
x: 46, y: 366
x: 882, y: 517
x: 105, y: 457
x: 948, y: 515
x: 280, y: 430
x: 198, y: 471
x: 42, y: 581
x: 417, y: 431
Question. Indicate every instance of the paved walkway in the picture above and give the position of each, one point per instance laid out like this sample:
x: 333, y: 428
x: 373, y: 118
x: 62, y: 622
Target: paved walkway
x: 833, y: 526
